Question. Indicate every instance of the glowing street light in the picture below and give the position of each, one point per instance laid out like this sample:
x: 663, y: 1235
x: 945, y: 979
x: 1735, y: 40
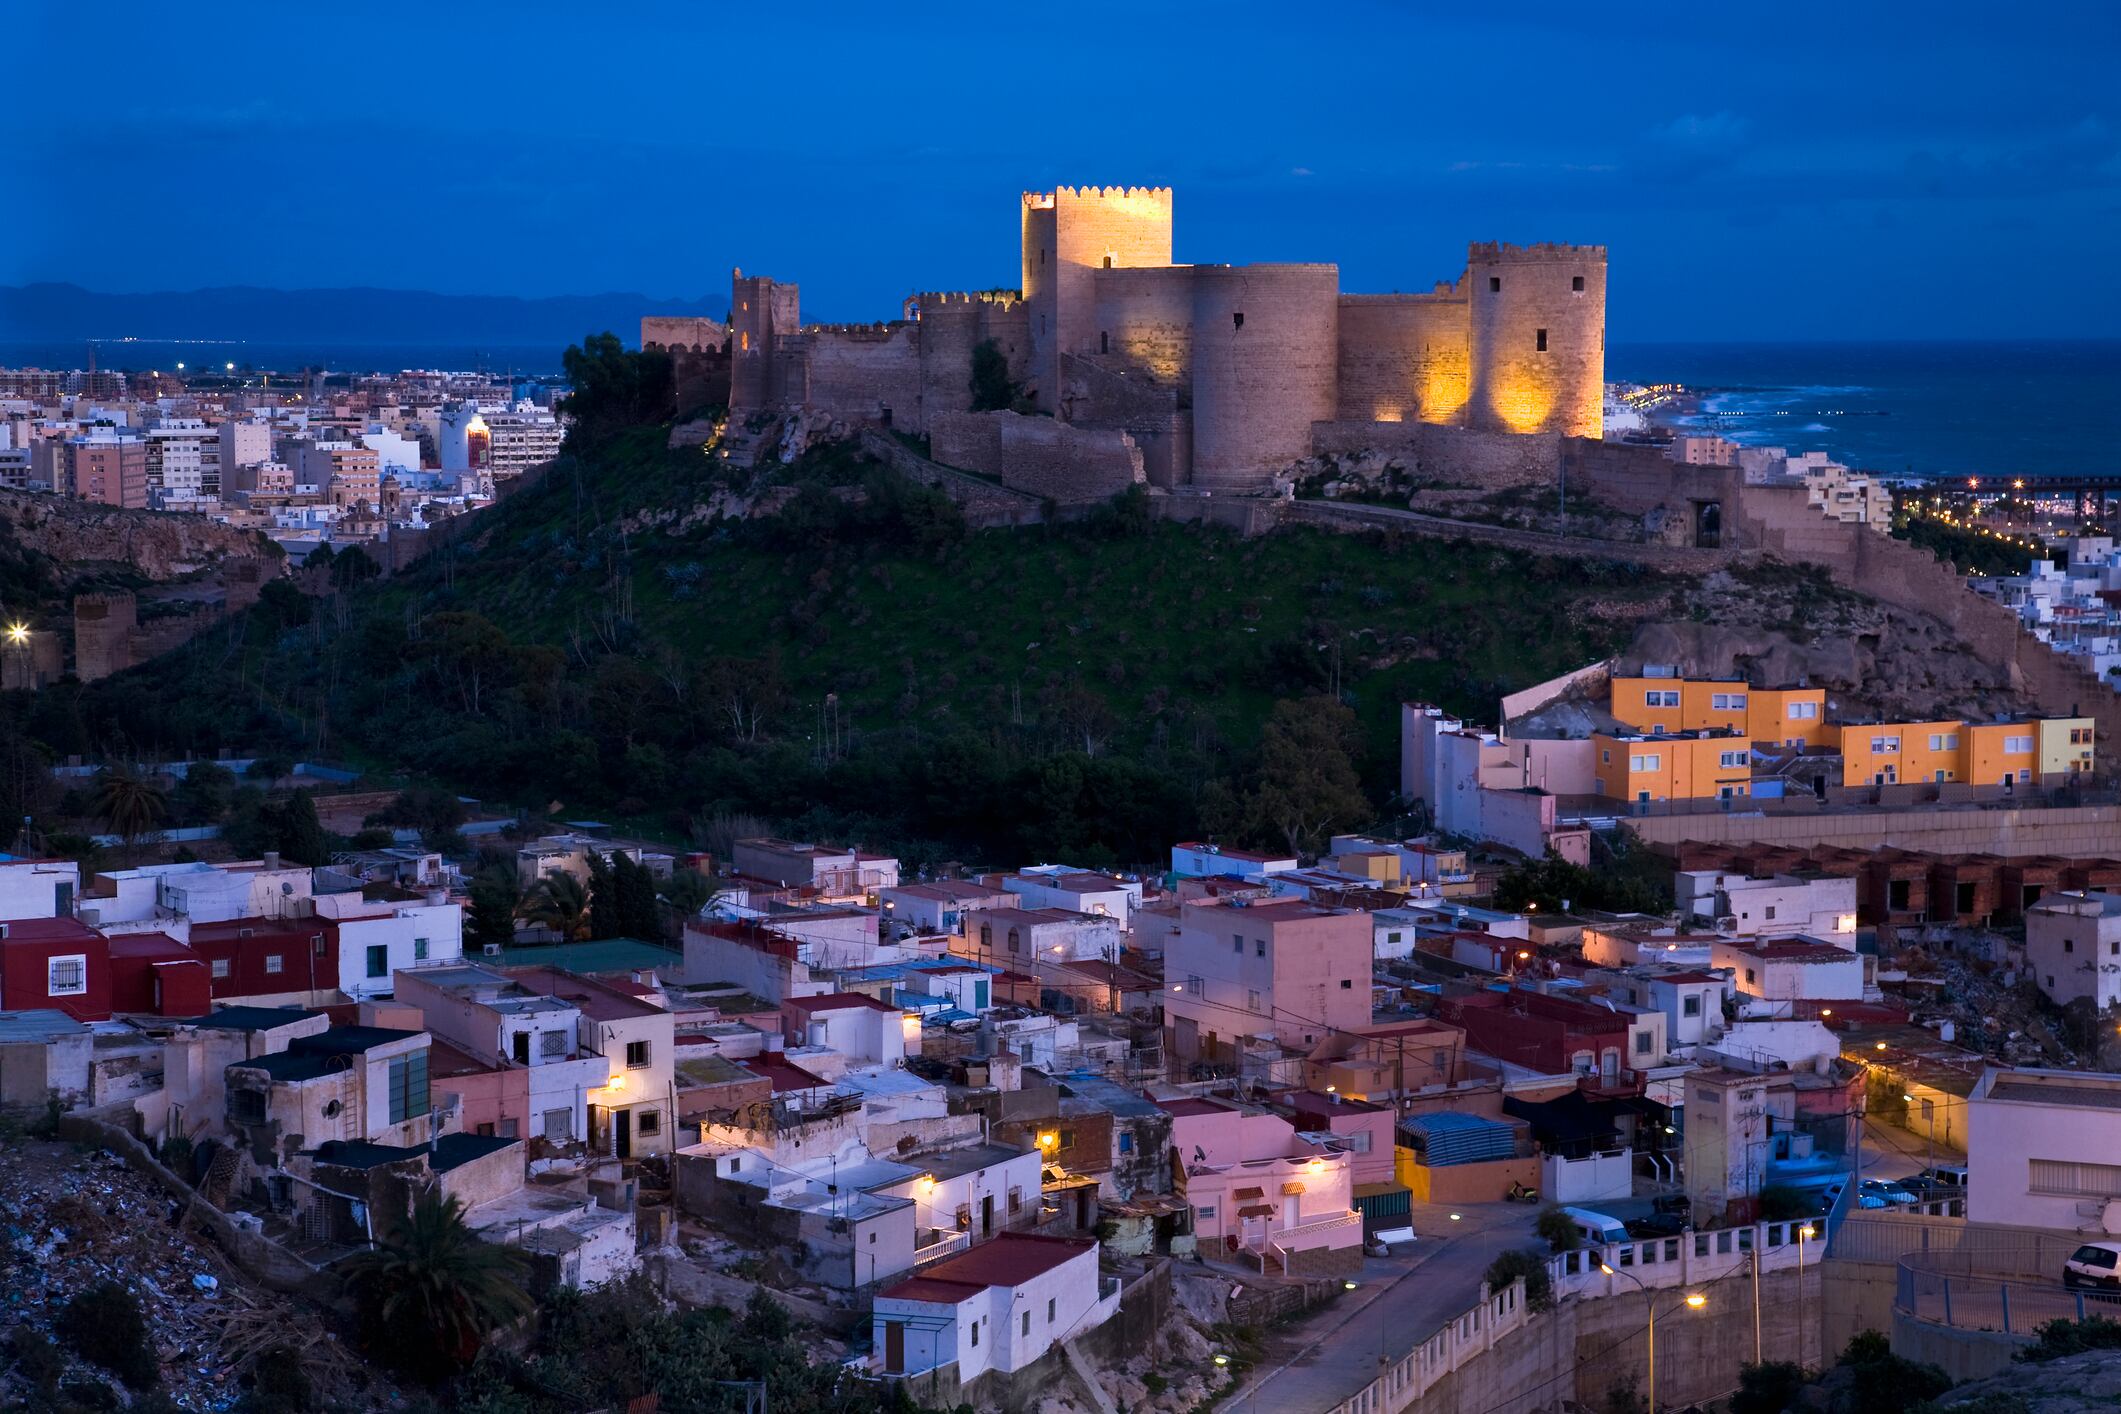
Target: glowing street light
x: 1696, y: 1300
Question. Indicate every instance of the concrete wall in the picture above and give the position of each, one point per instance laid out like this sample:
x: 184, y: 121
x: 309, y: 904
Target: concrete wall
x: 2086, y: 831
x: 1265, y: 357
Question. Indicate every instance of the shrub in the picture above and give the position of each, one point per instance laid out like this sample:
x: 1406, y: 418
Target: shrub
x: 1767, y: 1388
x: 104, y: 1326
x: 1559, y: 1229
x: 1531, y: 1265
x: 2066, y: 1337
x: 278, y: 1384
x: 37, y: 1360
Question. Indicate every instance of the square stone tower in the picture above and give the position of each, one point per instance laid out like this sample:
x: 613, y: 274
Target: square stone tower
x: 1068, y: 233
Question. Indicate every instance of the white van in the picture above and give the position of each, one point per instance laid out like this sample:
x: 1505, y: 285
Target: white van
x: 1596, y: 1229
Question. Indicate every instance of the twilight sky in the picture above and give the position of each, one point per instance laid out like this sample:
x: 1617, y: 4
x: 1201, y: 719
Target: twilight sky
x: 1862, y: 169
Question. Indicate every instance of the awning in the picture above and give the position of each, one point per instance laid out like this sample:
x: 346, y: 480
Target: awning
x: 1258, y: 1210
x: 1292, y: 1190
x: 1250, y: 1193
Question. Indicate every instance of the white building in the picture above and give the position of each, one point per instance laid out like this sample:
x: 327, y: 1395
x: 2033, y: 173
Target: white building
x: 1777, y: 979
x: 1194, y: 860
x: 1818, y: 905
x: 497, y: 1018
x: 243, y: 444
x: 998, y: 1307
x: 863, y: 1029
x: 2073, y: 945
x: 2043, y: 1149
x: 1075, y: 890
x: 379, y: 939
x: 524, y: 437
x: 183, y: 458
x: 1690, y: 998
x: 38, y: 888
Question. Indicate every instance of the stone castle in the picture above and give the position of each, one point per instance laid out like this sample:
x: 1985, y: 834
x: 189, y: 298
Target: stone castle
x: 1135, y: 368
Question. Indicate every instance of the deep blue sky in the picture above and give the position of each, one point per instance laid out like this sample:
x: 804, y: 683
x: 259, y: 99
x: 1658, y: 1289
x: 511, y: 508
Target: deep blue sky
x: 1852, y: 170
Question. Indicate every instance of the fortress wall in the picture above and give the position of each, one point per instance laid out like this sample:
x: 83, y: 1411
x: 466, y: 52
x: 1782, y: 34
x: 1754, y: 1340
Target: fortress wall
x: 1068, y: 233
x: 862, y: 372
x: 1265, y: 354
x: 1038, y: 455
x: 1403, y: 358
x: 1145, y: 317
x: 1454, y: 455
x: 672, y: 333
x: 951, y: 326
x: 761, y: 311
x: 104, y: 625
x: 1513, y: 293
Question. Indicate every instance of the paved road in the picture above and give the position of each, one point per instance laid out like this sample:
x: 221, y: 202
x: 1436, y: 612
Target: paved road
x: 1399, y: 1302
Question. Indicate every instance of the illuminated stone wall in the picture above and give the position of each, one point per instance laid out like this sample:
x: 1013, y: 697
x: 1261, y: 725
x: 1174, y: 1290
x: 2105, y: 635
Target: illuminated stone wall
x: 1145, y: 317
x: 672, y: 333
x: 1404, y: 358
x: 951, y: 326
x: 1068, y: 233
x: 861, y: 373
x: 1265, y: 357
x: 1516, y: 292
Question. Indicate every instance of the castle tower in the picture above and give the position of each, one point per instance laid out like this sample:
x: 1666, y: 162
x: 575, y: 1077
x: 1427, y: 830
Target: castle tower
x: 1068, y: 233
x: 103, y: 634
x: 1265, y: 352
x: 761, y: 311
x: 1537, y: 350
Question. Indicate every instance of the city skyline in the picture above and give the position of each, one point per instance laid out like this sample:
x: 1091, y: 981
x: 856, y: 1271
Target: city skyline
x: 1822, y: 177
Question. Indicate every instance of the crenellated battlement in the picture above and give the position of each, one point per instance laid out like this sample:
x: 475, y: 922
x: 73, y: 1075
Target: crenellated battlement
x: 1159, y: 195
x: 930, y: 299
x: 1480, y: 251
x: 878, y: 330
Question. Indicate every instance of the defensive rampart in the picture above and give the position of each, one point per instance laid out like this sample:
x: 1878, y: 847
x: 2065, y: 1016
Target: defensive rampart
x: 1038, y: 455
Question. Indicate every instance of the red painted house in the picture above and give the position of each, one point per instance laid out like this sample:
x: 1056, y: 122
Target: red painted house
x: 153, y: 973
x: 54, y: 963
x: 267, y: 957
x: 1549, y: 1034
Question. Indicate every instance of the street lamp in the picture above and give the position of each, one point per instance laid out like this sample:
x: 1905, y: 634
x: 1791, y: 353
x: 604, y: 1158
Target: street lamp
x: 1804, y: 1232
x: 1609, y: 1271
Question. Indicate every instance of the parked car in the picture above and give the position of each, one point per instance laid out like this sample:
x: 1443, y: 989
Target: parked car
x: 1669, y: 1216
x: 1892, y: 1193
x: 1940, y: 1181
x: 2094, y: 1266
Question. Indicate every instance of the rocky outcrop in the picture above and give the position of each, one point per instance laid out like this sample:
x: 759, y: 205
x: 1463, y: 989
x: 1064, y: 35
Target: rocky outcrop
x: 158, y: 545
x: 2075, y: 1384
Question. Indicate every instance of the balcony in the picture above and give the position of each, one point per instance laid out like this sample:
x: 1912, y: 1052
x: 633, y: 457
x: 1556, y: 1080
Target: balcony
x: 935, y: 1243
x: 1319, y: 1232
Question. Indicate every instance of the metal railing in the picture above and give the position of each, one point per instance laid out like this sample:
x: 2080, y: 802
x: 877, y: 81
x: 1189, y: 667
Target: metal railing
x: 1972, y: 1302
x: 1694, y: 1256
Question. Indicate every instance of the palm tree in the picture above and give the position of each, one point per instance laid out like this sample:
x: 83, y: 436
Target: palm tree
x: 130, y: 801
x: 429, y: 1291
x: 559, y: 902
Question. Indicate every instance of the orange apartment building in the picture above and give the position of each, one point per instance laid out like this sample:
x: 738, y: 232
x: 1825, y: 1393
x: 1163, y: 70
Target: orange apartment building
x: 1691, y: 765
x: 1979, y: 753
x: 1664, y: 706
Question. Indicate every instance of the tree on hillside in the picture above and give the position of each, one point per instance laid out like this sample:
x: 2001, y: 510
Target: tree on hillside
x: 559, y: 902
x: 494, y: 900
x: 429, y: 1292
x: 204, y: 792
x: 640, y: 913
x: 299, y: 835
x: 993, y: 390
x: 1308, y: 786
x: 130, y: 801
x: 614, y: 385
x: 604, y: 907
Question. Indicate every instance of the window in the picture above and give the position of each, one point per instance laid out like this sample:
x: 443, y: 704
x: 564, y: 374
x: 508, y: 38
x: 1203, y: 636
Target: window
x: 66, y: 976
x: 1251, y: 1001
x: 2024, y: 774
x: 220, y: 968
x: 1727, y: 701
x: 1642, y: 1042
x: 1026, y: 1328
x: 1936, y: 741
x: 1016, y: 942
x: 1494, y: 284
x: 1237, y: 320
x: 1393, y: 937
x: 1207, y: 1212
x: 1259, y: 947
x: 975, y: 1332
x: 1126, y: 1143
x: 1359, y: 1142
x: 419, y: 949
x: 1690, y: 1006
x: 986, y: 937
x: 1067, y: 1139
x: 378, y: 960
x: 2078, y: 1179
x: 1347, y: 984
x: 1733, y: 758
x: 1237, y: 942
x: 1651, y: 762
x: 1751, y: 980
x: 559, y: 1127
x: 1541, y: 336
x: 1049, y: 1310
x: 1576, y: 283
x: 272, y: 962
x: 1108, y: 262
x: 651, y: 1122
x: 636, y: 1054
x: 1605, y: 756
x: 408, y: 1087
x: 1770, y: 914
x: 2069, y: 945
x: 552, y: 1044
x: 1660, y: 699
x: 2017, y: 745
x: 1196, y: 987
x: 1804, y: 711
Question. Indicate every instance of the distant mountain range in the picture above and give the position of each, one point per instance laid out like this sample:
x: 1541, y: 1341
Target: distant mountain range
x: 64, y: 313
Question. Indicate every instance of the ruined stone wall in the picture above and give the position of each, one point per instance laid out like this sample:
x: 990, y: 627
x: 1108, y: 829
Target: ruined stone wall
x: 1145, y: 318
x: 1038, y: 455
x: 1404, y: 358
x: 672, y: 333
x: 1265, y: 355
x: 1069, y: 233
x: 103, y: 634
x: 1455, y: 455
x: 1515, y: 293
x: 984, y: 503
x: 862, y: 373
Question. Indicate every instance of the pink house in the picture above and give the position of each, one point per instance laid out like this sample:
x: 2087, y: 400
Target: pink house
x: 1287, y: 973
x: 1260, y: 1188
x: 1365, y: 1128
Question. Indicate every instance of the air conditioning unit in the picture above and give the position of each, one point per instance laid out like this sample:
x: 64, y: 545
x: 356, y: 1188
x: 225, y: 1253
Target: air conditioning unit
x: 493, y: 949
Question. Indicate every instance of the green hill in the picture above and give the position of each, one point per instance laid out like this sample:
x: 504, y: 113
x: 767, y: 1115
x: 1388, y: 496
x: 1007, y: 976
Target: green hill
x: 861, y: 664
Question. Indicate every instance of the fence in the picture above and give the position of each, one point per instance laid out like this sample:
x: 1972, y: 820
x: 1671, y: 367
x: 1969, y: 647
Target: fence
x: 1991, y: 1248
x: 1968, y: 1301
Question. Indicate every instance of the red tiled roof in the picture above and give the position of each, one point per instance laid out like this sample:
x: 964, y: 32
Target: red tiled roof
x: 1011, y: 1259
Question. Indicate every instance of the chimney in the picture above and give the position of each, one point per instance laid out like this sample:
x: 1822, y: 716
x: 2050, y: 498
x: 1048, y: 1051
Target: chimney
x: 272, y: 859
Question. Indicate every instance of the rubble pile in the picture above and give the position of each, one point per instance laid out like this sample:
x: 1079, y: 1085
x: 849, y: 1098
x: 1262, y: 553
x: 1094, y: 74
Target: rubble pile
x: 70, y: 1220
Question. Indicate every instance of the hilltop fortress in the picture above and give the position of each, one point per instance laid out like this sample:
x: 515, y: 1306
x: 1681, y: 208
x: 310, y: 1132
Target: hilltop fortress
x: 1131, y: 367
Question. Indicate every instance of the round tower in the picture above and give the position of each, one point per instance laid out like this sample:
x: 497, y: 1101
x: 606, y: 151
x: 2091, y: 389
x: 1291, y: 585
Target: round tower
x: 1538, y: 338
x: 1265, y: 348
